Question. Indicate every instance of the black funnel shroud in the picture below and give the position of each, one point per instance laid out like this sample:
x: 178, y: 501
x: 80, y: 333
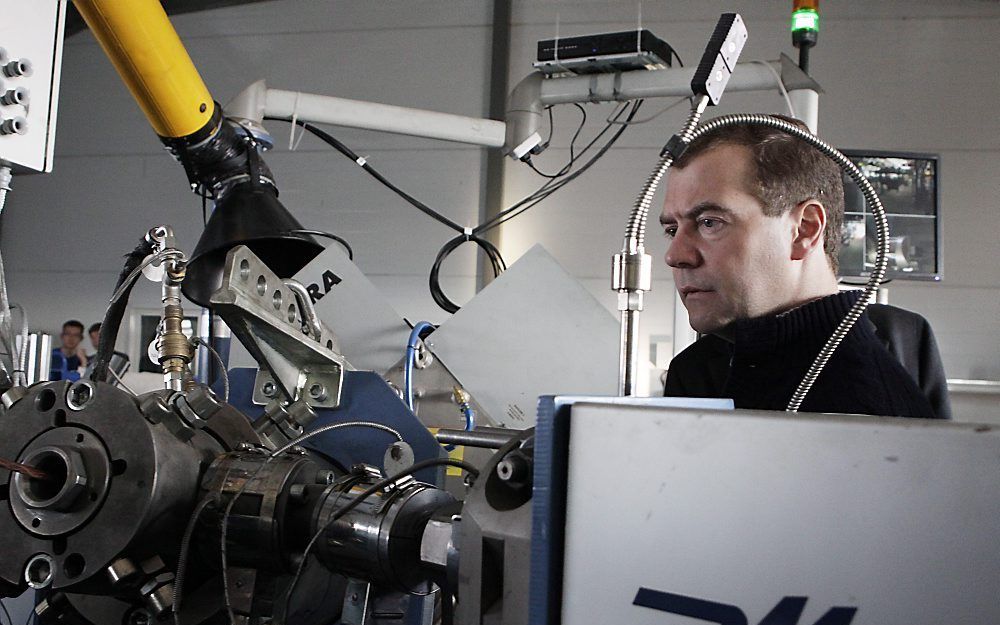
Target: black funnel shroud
x: 248, y: 214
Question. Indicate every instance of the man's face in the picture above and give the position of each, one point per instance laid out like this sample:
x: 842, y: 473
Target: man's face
x: 729, y: 260
x: 71, y: 337
x: 95, y: 338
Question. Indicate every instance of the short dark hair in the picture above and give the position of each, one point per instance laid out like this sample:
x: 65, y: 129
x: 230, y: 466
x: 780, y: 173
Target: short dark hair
x: 785, y: 172
x: 96, y: 327
x: 73, y: 323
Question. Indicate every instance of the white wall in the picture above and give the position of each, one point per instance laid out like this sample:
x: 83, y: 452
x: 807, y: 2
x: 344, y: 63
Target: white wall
x: 898, y: 74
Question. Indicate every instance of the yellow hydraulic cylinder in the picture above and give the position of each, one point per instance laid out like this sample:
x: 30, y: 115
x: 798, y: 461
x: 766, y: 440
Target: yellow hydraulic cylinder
x: 144, y: 47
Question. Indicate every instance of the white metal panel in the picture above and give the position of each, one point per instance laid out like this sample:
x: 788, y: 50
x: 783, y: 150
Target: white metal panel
x: 372, y: 335
x: 533, y: 331
x: 31, y: 32
x: 895, y: 517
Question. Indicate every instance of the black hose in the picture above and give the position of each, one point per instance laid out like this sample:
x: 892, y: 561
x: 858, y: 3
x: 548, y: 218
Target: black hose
x: 116, y: 311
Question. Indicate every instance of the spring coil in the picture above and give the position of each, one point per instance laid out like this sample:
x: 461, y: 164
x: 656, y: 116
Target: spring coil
x: 635, y: 231
x: 881, y: 227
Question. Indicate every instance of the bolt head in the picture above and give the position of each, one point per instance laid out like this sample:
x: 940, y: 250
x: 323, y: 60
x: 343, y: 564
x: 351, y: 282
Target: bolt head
x: 318, y: 392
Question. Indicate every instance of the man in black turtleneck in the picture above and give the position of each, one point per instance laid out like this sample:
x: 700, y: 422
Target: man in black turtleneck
x: 753, y: 218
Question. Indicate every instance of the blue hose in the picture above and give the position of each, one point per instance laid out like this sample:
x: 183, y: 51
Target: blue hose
x: 411, y: 354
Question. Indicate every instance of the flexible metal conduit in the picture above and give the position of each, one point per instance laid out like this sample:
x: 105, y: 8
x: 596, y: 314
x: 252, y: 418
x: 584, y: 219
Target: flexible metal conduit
x: 637, y: 224
x: 635, y: 231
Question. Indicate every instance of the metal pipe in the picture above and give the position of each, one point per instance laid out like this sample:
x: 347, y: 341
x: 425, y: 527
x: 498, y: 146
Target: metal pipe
x: 806, y: 105
x: 648, y: 84
x: 487, y: 438
x: 385, y: 117
x: 628, y: 362
x: 144, y: 47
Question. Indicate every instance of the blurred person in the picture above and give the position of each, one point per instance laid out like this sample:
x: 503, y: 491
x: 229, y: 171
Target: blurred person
x: 70, y: 357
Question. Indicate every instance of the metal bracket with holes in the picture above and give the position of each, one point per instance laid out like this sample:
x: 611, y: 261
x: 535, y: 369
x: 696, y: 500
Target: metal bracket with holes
x: 266, y: 317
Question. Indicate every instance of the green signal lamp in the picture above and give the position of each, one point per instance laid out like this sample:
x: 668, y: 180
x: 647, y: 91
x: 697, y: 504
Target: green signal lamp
x: 805, y: 23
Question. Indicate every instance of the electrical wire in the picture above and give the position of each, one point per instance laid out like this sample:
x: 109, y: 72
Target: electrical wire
x: 552, y: 186
x: 20, y: 356
x: 781, y: 86
x: 572, y: 143
x: 246, y: 483
x: 354, y: 503
x: 116, y: 311
x: 152, y: 259
x: 185, y: 551
x: 336, y: 426
x: 434, y: 279
x: 363, y: 163
x: 635, y: 230
x: 466, y: 235
x: 644, y: 120
x: 548, y: 189
x: 121, y: 382
x: 328, y: 235
x: 197, y: 340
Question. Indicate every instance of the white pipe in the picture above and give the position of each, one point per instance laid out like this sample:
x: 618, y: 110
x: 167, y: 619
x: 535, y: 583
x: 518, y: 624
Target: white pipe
x: 323, y: 109
x: 525, y: 107
x: 648, y: 84
x: 806, y: 105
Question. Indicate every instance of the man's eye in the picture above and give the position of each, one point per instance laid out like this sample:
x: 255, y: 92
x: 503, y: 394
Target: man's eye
x: 670, y: 231
x: 709, y: 222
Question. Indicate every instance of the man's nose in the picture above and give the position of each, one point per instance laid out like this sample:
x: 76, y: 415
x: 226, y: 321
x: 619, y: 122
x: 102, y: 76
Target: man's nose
x: 681, y: 252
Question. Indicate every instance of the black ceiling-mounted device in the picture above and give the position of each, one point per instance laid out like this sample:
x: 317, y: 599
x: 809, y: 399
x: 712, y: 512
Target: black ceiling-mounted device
x: 601, y: 53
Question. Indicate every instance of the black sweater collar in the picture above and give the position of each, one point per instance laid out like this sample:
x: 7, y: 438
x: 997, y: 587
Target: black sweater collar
x: 804, y: 329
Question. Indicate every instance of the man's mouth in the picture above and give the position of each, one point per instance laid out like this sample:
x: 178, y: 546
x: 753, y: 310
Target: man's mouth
x: 689, y: 290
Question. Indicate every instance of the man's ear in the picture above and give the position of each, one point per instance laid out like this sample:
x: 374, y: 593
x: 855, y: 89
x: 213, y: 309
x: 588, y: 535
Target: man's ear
x: 809, y: 221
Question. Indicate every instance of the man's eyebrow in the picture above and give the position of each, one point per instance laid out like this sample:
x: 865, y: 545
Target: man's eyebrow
x: 695, y: 211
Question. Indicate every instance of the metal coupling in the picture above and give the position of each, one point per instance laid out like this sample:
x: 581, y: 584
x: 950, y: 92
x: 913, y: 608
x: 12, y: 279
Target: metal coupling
x: 162, y: 237
x: 301, y: 414
x: 632, y: 271
x: 172, y: 344
x: 175, y: 351
x: 203, y: 402
x: 282, y: 423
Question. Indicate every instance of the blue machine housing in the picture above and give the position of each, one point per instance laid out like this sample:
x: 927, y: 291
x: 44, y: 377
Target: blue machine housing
x: 365, y: 396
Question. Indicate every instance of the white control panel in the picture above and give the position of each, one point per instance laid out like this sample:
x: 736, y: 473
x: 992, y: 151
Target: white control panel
x: 31, y: 41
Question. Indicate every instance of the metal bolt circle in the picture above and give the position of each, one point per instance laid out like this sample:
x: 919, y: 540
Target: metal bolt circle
x: 64, y: 465
x: 83, y: 492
